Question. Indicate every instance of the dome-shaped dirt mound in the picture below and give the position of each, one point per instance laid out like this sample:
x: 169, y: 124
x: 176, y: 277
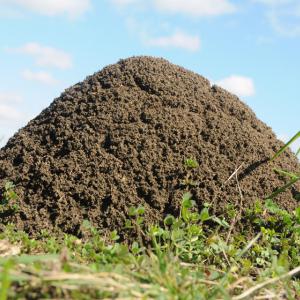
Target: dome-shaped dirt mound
x: 120, y: 138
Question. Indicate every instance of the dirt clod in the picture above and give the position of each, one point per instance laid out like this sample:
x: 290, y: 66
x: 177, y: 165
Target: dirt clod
x: 119, y: 139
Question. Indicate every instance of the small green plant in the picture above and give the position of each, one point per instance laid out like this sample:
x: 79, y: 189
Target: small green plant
x: 190, y: 164
x: 136, y: 218
x: 9, y: 196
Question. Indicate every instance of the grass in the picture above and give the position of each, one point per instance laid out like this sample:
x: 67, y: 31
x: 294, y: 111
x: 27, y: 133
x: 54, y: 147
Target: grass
x: 185, y: 258
x: 196, y: 255
x: 292, y: 140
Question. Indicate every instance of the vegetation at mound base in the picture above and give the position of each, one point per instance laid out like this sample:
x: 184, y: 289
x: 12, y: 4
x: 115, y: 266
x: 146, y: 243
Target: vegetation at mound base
x: 196, y: 255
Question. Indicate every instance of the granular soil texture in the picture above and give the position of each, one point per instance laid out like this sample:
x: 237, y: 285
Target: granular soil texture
x: 120, y: 138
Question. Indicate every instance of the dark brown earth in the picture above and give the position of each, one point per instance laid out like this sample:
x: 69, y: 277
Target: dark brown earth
x: 119, y: 139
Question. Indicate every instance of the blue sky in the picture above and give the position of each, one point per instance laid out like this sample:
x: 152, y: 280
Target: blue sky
x: 250, y: 47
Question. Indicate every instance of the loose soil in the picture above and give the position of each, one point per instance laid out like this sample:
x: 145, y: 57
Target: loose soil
x: 120, y: 138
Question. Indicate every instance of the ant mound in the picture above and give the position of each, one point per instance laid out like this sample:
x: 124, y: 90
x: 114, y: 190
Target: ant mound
x: 120, y: 139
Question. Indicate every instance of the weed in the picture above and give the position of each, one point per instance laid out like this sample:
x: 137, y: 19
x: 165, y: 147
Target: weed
x: 8, y: 200
x: 187, y: 258
x: 190, y: 165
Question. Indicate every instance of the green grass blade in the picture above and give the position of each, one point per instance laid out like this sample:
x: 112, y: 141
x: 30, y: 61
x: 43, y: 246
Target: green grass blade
x: 293, y: 139
x: 5, y: 280
x: 283, y: 188
x: 286, y: 173
x: 249, y: 245
x: 30, y: 259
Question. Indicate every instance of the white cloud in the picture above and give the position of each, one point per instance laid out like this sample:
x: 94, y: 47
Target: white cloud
x: 283, y: 16
x: 41, y: 76
x: 10, y: 116
x: 46, y: 56
x: 188, y: 7
x: 274, y: 2
x: 196, y: 7
x: 9, y: 113
x: 123, y: 2
x: 238, y: 85
x: 72, y: 8
x: 10, y: 97
x: 8, y: 12
x: 265, y: 40
x: 285, y: 22
x: 177, y: 40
